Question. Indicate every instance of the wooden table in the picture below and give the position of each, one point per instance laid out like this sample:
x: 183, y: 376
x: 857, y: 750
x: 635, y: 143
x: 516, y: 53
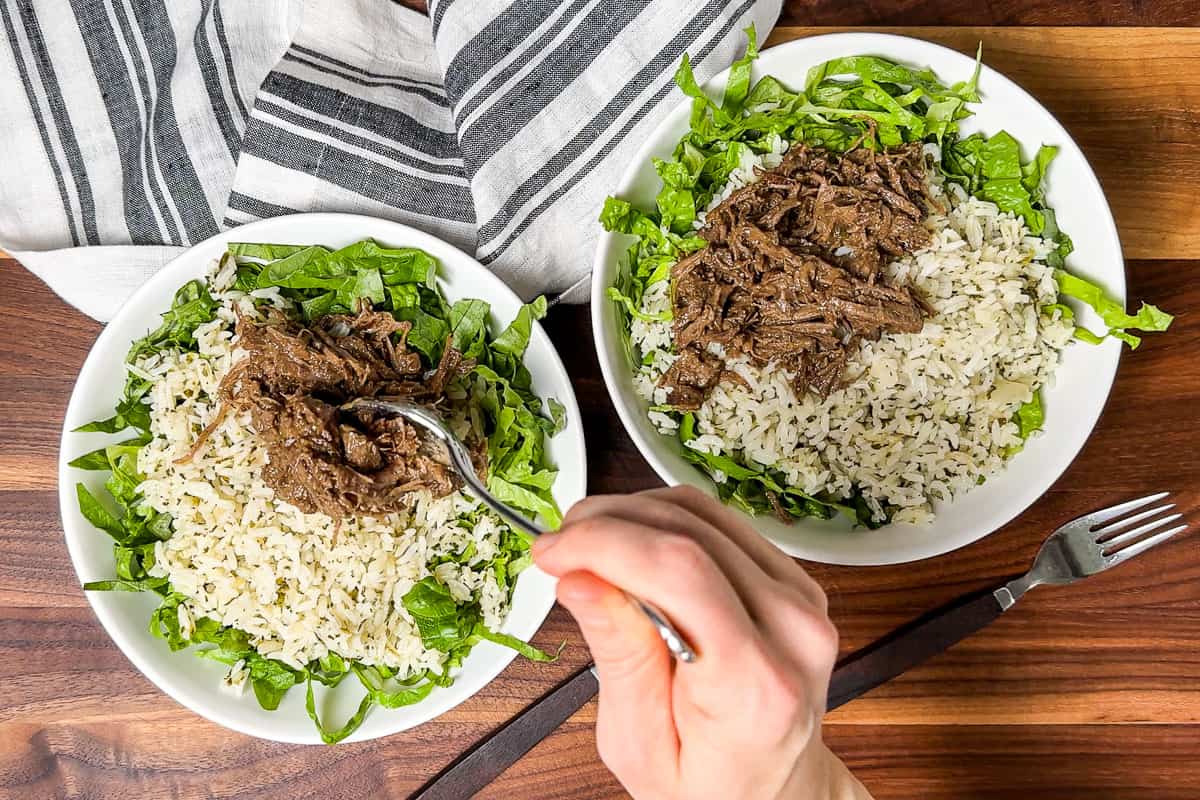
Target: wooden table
x: 1091, y: 691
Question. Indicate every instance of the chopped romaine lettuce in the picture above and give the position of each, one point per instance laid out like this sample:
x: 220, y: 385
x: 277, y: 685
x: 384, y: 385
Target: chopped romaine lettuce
x: 454, y: 628
x: 751, y: 486
x: 1030, y: 416
x: 991, y: 169
x: 1111, y: 311
x: 191, y: 307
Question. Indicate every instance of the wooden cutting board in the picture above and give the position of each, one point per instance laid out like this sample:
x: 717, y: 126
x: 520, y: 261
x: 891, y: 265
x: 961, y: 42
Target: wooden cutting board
x: 1090, y: 691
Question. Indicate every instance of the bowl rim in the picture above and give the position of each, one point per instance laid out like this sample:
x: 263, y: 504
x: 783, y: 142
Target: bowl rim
x: 608, y: 252
x: 571, y: 484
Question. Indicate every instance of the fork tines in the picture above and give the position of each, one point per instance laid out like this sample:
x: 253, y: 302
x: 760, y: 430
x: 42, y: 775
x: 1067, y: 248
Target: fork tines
x: 1118, y: 543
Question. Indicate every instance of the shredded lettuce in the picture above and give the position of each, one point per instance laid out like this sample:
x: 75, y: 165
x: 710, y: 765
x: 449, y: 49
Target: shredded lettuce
x: 648, y: 260
x: 191, y: 307
x: 266, y: 252
x: 468, y: 324
x: 1112, y: 312
x: 991, y: 168
x: 1029, y: 419
x: 454, y: 628
x: 403, y: 282
x: 750, y: 486
x: 134, y: 528
x: 1030, y: 416
x: 331, y: 282
x: 844, y: 101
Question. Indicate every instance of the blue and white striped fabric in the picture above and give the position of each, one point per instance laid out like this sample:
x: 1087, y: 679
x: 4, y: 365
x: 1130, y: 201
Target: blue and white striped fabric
x: 133, y: 128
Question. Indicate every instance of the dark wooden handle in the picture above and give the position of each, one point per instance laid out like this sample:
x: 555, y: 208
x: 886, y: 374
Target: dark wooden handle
x: 482, y: 764
x: 908, y: 646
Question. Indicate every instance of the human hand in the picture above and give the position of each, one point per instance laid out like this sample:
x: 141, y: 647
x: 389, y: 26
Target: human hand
x: 743, y: 720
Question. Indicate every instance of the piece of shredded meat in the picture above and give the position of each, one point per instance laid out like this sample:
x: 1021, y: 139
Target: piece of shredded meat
x: 293, y: 381
x: 793, y: 270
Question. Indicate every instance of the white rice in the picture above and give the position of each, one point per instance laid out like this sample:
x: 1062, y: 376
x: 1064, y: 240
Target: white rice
x: 922, y: 417
x: 299, y: 584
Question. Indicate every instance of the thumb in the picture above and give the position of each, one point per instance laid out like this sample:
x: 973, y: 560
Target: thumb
x: 635, y: 727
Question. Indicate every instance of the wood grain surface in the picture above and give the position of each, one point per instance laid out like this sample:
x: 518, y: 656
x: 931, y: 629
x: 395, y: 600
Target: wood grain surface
x: 1091, y: 691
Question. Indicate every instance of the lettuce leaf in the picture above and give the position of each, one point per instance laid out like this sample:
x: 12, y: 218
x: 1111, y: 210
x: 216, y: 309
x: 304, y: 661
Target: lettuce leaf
x: 647, y: 262
x: 266, y: 252
x: 468, y: 326
x: 327, y: 281
x: 519, y: 468
x: 737, y: 88
x: 337, y: 735
x: 454, y: 628
x: 377, y: 694
x: 404, y: 695
x: 627, y: 302
x: 1031, y: 416
x: 191, y: 307
x: 525, y: 498
x: 271, y: 680
x: 844, y: 100
x: 514, y: 339
x: 124, y: 585
x: 991, y: 169
x: 441, y: 622
x: 513, y: 643
x: 1111, y: 311
x: 428, y: 333
x: 135, y: 527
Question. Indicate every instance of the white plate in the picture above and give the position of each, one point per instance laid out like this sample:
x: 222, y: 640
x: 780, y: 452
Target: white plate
x: 1083, y: 380
x: 195, y: 682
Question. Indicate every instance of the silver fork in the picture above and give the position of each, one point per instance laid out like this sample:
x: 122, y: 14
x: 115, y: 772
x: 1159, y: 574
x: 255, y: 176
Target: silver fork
x: 460, y: 460
x: 1082, y: 547
x: 1093, y: 543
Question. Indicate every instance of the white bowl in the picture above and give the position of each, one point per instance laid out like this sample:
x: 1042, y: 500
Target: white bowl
x: 195, y: 682
x: 1082, y: 382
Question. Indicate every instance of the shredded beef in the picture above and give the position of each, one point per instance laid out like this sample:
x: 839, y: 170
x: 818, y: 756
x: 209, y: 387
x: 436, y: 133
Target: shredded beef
x: 793, y: 270
x: 293, y: 381
x: 691, y: 378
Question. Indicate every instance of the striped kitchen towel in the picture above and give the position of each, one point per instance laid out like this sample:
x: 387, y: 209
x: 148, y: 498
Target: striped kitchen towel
x: 133, y: 128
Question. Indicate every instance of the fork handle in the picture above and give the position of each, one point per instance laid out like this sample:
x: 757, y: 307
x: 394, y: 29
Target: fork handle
x: 910, y: 645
